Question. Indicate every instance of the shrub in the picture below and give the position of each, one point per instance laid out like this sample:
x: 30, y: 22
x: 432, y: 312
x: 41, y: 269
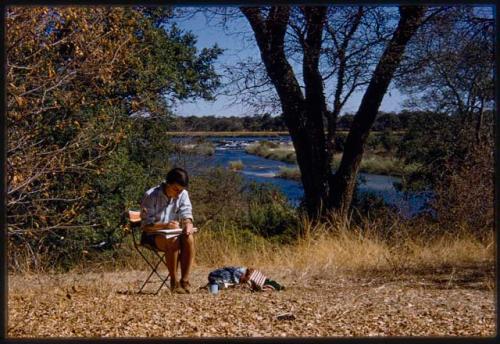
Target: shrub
x: 464, y: 200
x: 236, y: 165
x: 269, y: 144
x: 340, y: 141
x: 289, y: 173
x: 217, y: 195
x: 269, y: 213
x: 272, y: 150
x: 257, y: 149
x: 389, y: 141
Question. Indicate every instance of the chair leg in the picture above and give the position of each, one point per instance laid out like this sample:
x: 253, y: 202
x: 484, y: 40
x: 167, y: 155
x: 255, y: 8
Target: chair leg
x: 154, y: 269
x: 162, y: 284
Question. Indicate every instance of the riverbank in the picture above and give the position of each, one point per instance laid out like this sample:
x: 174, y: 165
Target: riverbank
x: 204, y: 149
x: 273, y: 150
x: 371, y: 163
x: 227, y: 133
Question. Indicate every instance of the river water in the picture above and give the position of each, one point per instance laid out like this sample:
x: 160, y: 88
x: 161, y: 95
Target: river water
x: 261, y: 170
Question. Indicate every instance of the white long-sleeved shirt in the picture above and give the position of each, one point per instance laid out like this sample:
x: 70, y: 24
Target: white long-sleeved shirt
x: 156, y: 207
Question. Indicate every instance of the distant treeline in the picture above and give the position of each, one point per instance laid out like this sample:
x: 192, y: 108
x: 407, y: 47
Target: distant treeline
x: 385, y: 121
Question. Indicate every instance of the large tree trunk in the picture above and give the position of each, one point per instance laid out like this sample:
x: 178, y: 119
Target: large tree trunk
x: 304, y: 115
x: 317, y: 167
x: 344, y: 180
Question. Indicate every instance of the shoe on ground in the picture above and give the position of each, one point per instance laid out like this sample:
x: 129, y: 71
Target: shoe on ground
x: 186, y: 286
x: 175, y: 288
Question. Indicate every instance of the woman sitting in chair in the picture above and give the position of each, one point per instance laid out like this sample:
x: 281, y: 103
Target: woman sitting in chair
x: 167, y: 206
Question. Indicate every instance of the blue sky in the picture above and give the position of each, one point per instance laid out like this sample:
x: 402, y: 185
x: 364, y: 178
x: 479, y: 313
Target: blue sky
x: 238, y: 48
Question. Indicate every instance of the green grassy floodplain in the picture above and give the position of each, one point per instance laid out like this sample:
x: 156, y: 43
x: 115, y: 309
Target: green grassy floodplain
x: 228, y: 133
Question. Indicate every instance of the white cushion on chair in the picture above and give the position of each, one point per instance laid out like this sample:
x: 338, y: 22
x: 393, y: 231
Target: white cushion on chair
x: 134, y: 216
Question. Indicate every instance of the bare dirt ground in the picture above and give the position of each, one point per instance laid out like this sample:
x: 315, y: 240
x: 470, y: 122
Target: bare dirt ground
x: 447, y: 303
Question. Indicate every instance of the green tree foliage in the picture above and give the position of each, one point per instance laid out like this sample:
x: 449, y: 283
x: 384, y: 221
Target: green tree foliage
x: 457, y: 168
x: 430, y: 141
x: 450, y: 76
x: 269, y: 213
x: 453, y: 88
x: 89, y: 90
x: 266, y: 122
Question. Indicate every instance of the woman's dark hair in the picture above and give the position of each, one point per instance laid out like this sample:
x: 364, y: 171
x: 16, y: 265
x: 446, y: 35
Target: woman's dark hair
x: 177, y: 176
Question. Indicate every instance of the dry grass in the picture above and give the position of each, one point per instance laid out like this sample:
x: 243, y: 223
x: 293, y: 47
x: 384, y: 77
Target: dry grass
x: 206, y: 148
x: 328, y: 249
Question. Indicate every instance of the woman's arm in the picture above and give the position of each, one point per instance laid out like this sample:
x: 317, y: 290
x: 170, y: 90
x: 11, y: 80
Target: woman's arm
x: 186, y: 213
x: 187, y: 225
x: 148, y: 223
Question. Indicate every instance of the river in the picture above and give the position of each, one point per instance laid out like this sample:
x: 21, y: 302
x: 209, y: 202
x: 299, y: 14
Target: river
x: 262, y: 170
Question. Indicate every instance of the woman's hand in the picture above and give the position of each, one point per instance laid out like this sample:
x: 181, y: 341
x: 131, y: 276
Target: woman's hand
x: 173, y: 224
x: 188, y: 226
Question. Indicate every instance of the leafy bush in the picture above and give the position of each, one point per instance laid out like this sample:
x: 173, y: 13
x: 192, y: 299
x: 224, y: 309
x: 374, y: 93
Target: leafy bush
x: 217, y: 196
x: 269, y: 213
x: 456, y: 162
x: 87, y: 116
x: 389, y: 141
x: 464, y: 200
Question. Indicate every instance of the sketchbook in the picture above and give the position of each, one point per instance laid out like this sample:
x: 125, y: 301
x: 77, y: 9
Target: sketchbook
x: 171, y: 233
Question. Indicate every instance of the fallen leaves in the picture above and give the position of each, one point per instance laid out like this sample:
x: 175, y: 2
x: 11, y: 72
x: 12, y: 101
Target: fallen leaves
x: 105, y: 305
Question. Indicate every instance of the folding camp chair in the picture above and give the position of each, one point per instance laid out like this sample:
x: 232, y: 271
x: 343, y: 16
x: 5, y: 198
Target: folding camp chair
x: 134, y: 218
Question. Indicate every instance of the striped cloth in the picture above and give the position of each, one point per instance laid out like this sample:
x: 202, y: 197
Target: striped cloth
x: 257, y: 278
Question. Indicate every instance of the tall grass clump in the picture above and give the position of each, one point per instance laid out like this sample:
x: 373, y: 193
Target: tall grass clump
x: 283, y: 154
x: 289, y: 173
x: 257, y: 149
x: 376, y: 164
x: 204, y: 148
x: 272, y: 150
x: 227, y: 243
x: 372, y: 164
x: 329, y: 249
x: 236, y: 165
